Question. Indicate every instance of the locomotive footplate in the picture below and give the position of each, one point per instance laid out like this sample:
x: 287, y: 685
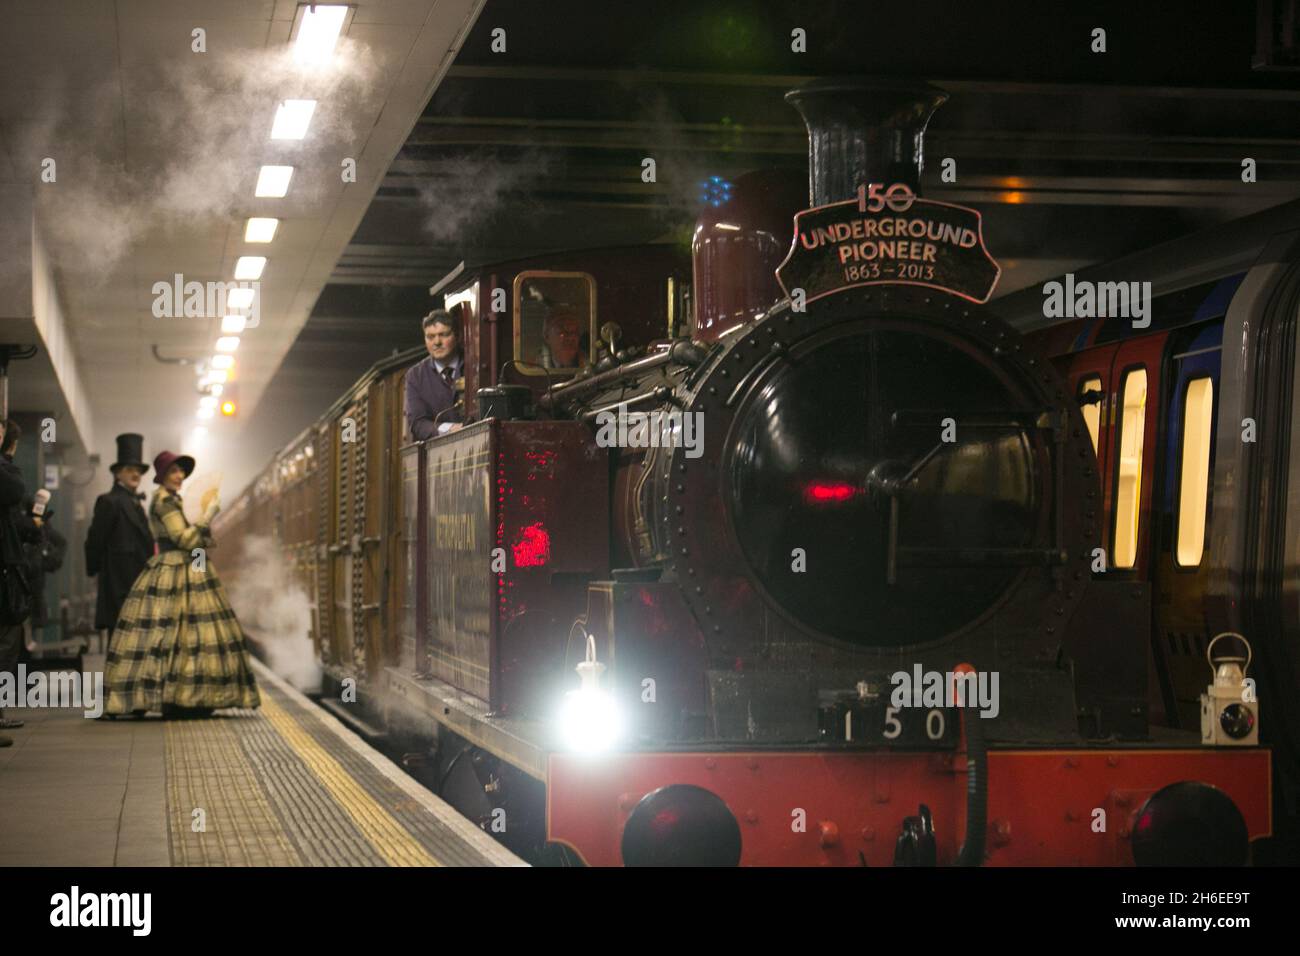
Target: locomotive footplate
x: 521, y: 743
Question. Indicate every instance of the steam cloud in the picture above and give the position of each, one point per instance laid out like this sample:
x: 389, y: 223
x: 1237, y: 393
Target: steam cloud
x: 275, y: 610
x: 210, y: 119
x: 461, y: 194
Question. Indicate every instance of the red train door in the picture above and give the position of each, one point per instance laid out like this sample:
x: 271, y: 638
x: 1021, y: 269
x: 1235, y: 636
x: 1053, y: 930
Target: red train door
x: 1124, y: 421
x: 1130, y: 473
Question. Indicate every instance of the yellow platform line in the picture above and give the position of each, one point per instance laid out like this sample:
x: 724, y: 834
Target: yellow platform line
x: 392, y: 840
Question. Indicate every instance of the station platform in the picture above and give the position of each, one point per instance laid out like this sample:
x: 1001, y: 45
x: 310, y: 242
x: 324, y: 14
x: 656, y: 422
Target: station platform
x: 284, y: 785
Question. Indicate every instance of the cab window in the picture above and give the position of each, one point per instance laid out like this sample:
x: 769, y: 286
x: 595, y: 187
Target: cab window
x: 555, y: 321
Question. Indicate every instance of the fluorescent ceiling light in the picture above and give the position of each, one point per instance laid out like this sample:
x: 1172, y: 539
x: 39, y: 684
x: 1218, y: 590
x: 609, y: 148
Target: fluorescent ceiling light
x: 240, y: 298
x: 273, y: 182
x: 249, y: 267
x: 215, y: 377
x: 232, y: 324
x: 260, y: 230
x: 227, y: 343
x: 216, y: 390
x: 208, y: 401
x: 206, y: 413
x: 318, y: 33
x: 222, y: 361
x: 292, y: 118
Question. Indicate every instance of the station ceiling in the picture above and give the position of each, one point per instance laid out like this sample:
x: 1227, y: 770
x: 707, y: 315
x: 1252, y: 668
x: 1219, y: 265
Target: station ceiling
x: 1073, y: 156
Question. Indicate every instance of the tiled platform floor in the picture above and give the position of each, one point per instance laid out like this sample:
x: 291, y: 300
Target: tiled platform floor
x: 284, y: 785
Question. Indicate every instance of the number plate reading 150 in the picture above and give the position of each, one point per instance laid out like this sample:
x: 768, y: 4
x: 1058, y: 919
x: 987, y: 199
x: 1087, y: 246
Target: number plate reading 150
x: 872, y: 724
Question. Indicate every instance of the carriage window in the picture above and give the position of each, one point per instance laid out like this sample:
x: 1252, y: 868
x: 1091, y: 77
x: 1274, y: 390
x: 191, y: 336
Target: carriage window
x: 1091, y: 410
x: 1128, y: 474
x: 1194, y: 484
x: 555, y: 320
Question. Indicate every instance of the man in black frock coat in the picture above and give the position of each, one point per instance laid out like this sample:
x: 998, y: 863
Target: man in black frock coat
x: 119, y: 543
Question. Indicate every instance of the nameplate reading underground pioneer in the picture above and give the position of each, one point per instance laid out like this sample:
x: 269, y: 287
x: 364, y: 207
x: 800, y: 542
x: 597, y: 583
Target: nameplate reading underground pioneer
x: 888, y: 236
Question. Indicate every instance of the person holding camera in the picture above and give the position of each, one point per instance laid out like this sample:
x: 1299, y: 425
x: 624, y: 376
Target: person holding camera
x: 44, y: 554
x: 15, y: 588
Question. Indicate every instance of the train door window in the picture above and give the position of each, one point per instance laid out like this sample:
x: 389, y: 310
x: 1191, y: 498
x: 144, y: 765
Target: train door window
x: 555, y: 320
x: 1128, y: 472
x: 1091, y: 397
x: 1194, y: 481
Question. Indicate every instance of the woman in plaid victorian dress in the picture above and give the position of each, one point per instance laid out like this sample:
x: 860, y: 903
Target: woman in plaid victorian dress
x: 178, y: 646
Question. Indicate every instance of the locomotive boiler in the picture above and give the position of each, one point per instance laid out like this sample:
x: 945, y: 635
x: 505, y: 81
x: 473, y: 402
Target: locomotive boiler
x: 806, y: 580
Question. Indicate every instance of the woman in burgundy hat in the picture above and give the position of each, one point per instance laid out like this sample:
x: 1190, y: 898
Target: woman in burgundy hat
x: 178, y: 647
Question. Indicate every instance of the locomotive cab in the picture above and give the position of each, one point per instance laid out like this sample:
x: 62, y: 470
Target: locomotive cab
x: 536, y: 323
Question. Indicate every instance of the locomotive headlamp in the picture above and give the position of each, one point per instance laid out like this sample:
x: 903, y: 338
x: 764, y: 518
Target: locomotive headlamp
x: 589, y: 719
x: 1229, y: 710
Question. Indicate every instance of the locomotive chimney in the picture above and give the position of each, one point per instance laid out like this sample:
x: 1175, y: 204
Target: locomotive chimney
x: 863, y: 131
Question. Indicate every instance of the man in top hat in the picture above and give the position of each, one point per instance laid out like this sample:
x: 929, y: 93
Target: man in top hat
x: 119, y: 544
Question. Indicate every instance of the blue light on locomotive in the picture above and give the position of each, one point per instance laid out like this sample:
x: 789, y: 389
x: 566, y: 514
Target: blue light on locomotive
x: 715, y: 191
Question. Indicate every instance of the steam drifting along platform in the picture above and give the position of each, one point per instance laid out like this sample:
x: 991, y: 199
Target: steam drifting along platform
x: 285, y: 785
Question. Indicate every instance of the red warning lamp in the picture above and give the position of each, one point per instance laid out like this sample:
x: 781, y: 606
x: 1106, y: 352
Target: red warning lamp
x: 533, y: 549
x: 829, y: 492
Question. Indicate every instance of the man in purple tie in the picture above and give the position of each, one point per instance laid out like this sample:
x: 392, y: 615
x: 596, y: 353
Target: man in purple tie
x: 430, y: 385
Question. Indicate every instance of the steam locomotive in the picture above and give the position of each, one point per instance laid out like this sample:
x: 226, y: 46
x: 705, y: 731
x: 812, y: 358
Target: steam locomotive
x: 793, y: 576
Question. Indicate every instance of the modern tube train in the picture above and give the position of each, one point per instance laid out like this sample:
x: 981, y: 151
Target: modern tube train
x: 1191, y: 414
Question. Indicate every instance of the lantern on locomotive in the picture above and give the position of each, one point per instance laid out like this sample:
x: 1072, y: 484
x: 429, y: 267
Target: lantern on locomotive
x: 1229, y: 709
